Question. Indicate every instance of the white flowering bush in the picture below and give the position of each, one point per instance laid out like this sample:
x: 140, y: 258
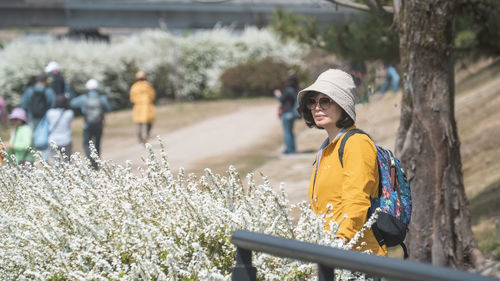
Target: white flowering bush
x: 188, y: 65
x: 66, y: 221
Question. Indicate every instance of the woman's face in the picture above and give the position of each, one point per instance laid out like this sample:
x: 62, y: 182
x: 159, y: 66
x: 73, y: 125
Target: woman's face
x: 325, y: 111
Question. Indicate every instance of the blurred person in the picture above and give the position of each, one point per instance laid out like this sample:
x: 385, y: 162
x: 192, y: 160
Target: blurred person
x: 3, y: 112
x: 59, y: 119
x: 21, y: 137
x: 37, y: 99
x: 142, y: 96
x: 93, y: 106
x: 329, y: 104
x: 392, y: 79
x: 358, y: 72
x: 288, y: 111
x: 56, y: 79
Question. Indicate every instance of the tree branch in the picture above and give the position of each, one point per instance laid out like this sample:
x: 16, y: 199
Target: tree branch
x: 210, y: 1
x: 376, y: 7
x: 372, y: 5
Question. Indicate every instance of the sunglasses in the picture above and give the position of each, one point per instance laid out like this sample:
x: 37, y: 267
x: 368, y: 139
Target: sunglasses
x: 324, y: 103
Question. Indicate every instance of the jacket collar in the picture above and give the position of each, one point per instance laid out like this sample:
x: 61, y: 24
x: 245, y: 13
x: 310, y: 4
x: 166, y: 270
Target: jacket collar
x: 338, y: 136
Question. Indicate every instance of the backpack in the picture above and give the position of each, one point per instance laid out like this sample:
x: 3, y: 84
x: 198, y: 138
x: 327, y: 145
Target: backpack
x: 38, y: 103
x: 296, y: 108
x: 94, y: 113
x: 42, y: 132
x: 394, y: 197
x: 41, y: 135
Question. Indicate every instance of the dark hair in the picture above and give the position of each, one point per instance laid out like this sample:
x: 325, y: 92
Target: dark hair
x: 41, y: 78
x: 61, y: 102
x: 345, y: 120
x: 292, y: 81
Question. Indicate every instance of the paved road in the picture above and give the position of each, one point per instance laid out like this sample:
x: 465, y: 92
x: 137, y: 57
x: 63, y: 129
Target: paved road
x: 209, y: 138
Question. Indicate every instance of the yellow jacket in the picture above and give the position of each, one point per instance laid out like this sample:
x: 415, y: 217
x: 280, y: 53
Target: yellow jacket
x: 142, y: 95
x: 347, y: 189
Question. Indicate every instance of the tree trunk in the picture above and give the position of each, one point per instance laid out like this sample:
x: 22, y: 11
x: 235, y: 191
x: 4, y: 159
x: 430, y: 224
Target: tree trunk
x: 440, y: 231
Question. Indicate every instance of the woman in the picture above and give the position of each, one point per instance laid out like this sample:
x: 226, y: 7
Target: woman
x: 59, y: 119
x: 21, y: 137
x: 287, y: 114
x: 329, y: 104
x: 142, y: 95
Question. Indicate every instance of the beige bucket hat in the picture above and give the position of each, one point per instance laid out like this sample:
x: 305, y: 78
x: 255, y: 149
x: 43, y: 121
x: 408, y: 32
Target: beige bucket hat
x: 339, y: 86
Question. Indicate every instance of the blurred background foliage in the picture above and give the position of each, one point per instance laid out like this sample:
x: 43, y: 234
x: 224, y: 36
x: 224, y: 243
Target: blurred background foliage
x: 225, y: 65
x: 257, y: 77
x: 375, y: 38
x: 180, y: 68
x: 478, y: 29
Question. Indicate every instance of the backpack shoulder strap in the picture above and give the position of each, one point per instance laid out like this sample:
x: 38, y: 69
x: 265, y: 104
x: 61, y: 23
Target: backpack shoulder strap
x: 344, y: 140
x: 57, y: 121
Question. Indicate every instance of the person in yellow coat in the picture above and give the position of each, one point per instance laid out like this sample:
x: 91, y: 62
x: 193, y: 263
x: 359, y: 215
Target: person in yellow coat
x: 142, y: 96
x: 329, y: 104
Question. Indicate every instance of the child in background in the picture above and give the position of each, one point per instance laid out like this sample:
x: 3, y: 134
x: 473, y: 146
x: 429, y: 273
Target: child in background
x: 21, y: 137
x: 59, y: 119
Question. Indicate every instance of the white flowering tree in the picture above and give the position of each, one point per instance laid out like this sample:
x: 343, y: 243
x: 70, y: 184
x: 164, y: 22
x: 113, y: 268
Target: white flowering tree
x: 70, y: 222
x: 190, y: 65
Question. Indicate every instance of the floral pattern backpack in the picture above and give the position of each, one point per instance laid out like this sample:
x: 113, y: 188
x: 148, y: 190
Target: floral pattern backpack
x: 394, y: 197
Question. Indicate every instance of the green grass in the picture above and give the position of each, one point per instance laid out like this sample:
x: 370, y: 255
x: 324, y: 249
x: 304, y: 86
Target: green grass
x: 485, y: 215
x: 4, y: 134
x: 485, y: 204
x: 489, y: 241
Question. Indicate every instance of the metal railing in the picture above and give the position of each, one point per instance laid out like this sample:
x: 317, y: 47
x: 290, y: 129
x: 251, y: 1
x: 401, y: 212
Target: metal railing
x: 329, y: 258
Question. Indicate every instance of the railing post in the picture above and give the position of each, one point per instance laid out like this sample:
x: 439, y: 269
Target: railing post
x: 325, y: 273
x: 243, y: 270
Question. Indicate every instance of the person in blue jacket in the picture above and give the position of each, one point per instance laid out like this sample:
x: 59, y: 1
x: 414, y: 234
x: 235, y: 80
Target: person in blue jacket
x: 93, y: 106
x: 392, y: 79
x: 37, y: 99
x: 288, y: 111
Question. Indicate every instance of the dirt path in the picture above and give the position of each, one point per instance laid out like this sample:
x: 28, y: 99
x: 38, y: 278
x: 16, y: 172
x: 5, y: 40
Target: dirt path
x: 221, y: 135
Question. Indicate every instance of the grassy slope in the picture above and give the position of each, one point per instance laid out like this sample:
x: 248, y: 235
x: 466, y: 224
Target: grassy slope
x: 478, y: 118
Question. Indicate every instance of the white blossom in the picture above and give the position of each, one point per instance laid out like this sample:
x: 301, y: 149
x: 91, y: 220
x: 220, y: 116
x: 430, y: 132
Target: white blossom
x: 193, y: 60
x: 70, y: 221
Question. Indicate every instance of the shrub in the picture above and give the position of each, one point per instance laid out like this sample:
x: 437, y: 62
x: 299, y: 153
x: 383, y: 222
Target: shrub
x: 257, y: 78
x: 70, y: 222
x: 253, y: 78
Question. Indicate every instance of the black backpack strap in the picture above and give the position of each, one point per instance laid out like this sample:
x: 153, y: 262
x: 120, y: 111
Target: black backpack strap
x: 344, y: 140
x: 380, y: 239
x: 405, y: 250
